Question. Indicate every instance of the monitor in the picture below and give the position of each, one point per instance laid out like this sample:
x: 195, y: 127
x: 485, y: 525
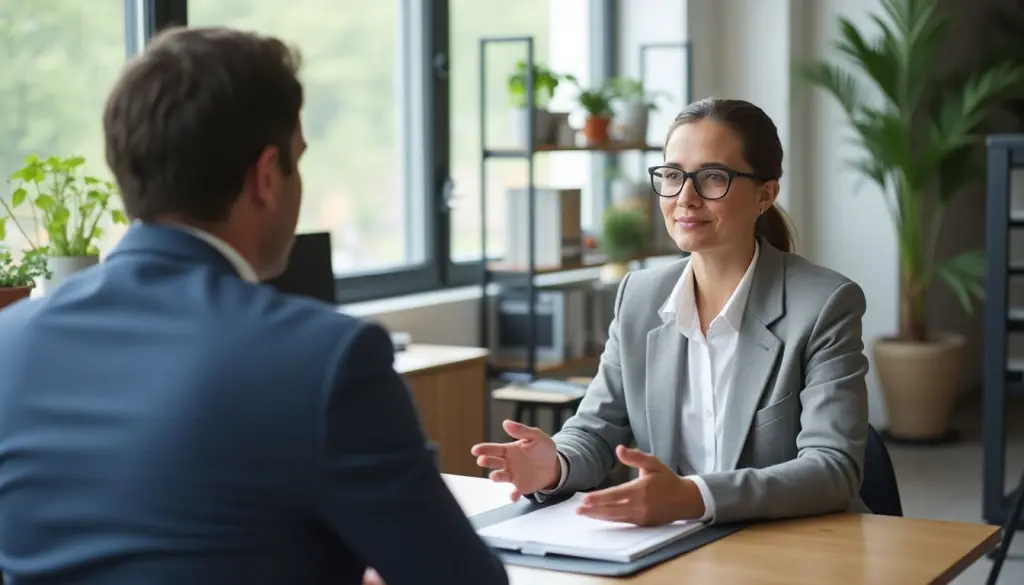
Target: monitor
x: 310, y: 271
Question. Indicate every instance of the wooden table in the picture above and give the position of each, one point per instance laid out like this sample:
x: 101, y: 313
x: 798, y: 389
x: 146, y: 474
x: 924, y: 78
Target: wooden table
x: 838, y: 549
x: 449, y: 385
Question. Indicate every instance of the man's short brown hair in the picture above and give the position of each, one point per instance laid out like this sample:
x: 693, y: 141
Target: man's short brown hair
x: 190, y: 116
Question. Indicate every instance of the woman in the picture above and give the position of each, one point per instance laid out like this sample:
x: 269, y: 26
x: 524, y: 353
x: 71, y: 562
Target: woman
x: 739, y: 372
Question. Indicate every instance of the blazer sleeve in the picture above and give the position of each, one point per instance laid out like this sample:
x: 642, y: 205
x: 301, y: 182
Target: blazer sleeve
x: 588, y: 439
x: 826, y: 474
x: 379, y: 489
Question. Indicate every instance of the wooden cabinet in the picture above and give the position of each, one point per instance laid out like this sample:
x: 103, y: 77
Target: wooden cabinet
x: 449, y: 386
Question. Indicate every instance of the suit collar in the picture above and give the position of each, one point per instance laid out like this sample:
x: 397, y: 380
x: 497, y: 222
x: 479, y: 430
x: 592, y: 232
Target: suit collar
x: 681, y: 305
x: 183, y: 243
x: 757, y: 352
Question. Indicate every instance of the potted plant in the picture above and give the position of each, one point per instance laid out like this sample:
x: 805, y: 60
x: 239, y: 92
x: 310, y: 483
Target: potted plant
x: 623, y: 236
x: 68, y: 205
x: 918, y: 143
x: 545, y: 81
x: 635, y: 106
x: 597, y: 103
x: 17, y: 279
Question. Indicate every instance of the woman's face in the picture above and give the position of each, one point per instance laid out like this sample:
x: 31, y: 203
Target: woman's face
x: 695, y: 223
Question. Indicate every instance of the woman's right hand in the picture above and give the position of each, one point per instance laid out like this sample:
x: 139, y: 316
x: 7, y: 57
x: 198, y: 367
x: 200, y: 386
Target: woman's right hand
x: 530, y: 463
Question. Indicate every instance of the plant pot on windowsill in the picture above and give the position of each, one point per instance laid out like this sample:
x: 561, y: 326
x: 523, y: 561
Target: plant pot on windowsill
x: 12, y: 294
x: 64, y: 267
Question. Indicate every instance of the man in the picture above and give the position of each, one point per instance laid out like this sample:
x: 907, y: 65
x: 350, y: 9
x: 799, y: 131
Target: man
x: 166, y: 419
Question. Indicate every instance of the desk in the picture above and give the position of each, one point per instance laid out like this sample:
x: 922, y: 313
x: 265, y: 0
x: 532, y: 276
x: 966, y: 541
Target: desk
x: 840, y: 549
x: 449, y: 386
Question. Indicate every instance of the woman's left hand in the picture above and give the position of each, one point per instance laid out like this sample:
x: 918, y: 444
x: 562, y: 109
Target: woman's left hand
x: 657, y: 496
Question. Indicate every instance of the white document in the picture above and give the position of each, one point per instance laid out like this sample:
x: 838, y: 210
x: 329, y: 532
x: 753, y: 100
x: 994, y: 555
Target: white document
x: 558, y: 529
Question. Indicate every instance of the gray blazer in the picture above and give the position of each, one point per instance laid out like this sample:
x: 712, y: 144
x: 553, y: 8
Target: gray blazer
x: 797, y: 421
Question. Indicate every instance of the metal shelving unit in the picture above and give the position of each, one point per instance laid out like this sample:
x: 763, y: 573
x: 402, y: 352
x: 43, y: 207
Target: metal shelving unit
x: 526, y: 276
x: 1002, y: 374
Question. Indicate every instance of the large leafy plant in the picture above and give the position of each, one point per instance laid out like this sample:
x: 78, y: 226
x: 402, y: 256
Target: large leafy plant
x: 64, y: 201
x: 919, y: 140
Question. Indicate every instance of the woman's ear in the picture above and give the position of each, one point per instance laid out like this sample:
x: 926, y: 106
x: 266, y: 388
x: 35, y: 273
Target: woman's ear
x: 769, y: 193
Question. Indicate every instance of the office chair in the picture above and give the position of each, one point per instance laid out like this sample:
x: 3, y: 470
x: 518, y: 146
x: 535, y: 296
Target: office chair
x: 879, y: 490
x: 1011, y: 526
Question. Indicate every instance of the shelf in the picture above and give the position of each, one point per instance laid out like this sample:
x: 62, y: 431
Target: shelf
x: 609, y: 147
x: 501, y: 266
x: 548, y: 368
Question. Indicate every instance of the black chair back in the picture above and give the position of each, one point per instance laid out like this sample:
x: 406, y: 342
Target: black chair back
x: 879, y: 490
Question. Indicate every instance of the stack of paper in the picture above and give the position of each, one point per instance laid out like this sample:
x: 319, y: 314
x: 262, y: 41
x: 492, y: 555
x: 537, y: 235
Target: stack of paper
x: 558, y: 529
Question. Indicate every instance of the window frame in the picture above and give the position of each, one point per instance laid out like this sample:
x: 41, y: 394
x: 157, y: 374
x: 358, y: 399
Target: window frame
x: 438, y: 270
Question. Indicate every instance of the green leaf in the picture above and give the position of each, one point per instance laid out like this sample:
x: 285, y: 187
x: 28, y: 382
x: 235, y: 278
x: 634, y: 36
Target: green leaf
x: 963, y: 274
x: 119, y: 217
x: 44, y: 202
x: 3, y: 228
x: 18, y: 197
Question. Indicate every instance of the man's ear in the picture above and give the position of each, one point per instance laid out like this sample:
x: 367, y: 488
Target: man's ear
x: 266, y: 175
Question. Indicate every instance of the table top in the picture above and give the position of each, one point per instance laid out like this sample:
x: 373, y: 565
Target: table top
x: 418, y: 357
x: 837, y: 549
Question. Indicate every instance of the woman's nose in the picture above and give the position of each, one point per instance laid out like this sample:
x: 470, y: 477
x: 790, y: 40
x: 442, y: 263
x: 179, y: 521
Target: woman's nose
x: 688, y: 197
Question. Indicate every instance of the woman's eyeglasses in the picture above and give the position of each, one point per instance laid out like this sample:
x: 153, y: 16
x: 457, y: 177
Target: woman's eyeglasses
x: 709, y: 183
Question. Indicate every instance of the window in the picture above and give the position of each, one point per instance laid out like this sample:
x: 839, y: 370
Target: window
x: 60, y: 60
x: 391, y: 112
x: 561, y: 40
x: 359, y: 179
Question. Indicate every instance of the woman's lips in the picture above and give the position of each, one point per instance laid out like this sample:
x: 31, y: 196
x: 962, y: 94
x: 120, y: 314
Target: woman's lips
x: 690, y: 222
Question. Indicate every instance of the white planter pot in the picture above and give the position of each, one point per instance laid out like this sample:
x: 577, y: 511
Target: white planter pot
x: 631, y: 123
x: 543, y: 126
x: 63, y: 267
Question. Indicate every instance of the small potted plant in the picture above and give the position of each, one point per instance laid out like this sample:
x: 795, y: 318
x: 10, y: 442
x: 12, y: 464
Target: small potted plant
x: 597, y: 103
x: 635, y: 106
x: 545, y: 81
x: 623, y: 237
x: 17, y: 279
x: 68, y: 205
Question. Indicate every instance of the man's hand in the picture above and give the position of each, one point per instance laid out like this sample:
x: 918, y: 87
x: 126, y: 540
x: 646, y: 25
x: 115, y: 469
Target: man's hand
x: 657, y: 496
x: 371, y: 577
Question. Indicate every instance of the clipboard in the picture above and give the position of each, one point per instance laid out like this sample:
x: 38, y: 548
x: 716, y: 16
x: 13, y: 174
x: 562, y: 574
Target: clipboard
x: 584, y: 566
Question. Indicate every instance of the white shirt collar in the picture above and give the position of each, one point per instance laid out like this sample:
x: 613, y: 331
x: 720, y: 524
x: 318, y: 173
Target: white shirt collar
x: 681, y: 305
x: 237, y: 261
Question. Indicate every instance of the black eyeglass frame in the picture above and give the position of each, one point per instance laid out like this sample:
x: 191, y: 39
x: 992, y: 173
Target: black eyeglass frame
x: 731, y: 173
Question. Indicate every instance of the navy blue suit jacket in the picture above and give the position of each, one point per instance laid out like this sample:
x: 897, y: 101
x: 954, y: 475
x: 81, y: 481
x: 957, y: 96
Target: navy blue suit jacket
x: 162, y: 421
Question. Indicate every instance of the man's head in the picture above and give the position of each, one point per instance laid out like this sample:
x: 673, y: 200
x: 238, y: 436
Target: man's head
x: 203, y: 129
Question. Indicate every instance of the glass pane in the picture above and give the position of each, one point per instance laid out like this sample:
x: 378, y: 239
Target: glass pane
x: 560, y: 41
x: 355, y: 182
x: 58, y: 61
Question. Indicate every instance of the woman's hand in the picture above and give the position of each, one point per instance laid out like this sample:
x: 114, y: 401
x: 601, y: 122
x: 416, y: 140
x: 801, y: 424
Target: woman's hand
x: 530, y: 463
x: 658, y: 496
x: 371, y: 577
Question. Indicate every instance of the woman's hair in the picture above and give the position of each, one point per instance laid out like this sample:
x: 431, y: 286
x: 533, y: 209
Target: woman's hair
x: 762, y: 150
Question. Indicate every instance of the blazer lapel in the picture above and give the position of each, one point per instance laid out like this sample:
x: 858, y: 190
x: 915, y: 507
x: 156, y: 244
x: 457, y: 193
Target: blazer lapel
x: 666, y: 359
x: 756, y: 353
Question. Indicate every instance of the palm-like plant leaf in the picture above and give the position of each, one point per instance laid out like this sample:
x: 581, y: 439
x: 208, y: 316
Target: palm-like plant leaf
x: 920, y: 137
x: 963, y: 274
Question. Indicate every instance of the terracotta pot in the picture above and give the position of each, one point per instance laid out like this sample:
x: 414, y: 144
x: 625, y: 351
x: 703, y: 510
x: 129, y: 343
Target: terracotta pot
x: 921, y: 381
x: 595, y: 130
x: 11, y: 295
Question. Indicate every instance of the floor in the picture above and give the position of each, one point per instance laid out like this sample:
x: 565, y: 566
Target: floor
x: 945, y: 483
